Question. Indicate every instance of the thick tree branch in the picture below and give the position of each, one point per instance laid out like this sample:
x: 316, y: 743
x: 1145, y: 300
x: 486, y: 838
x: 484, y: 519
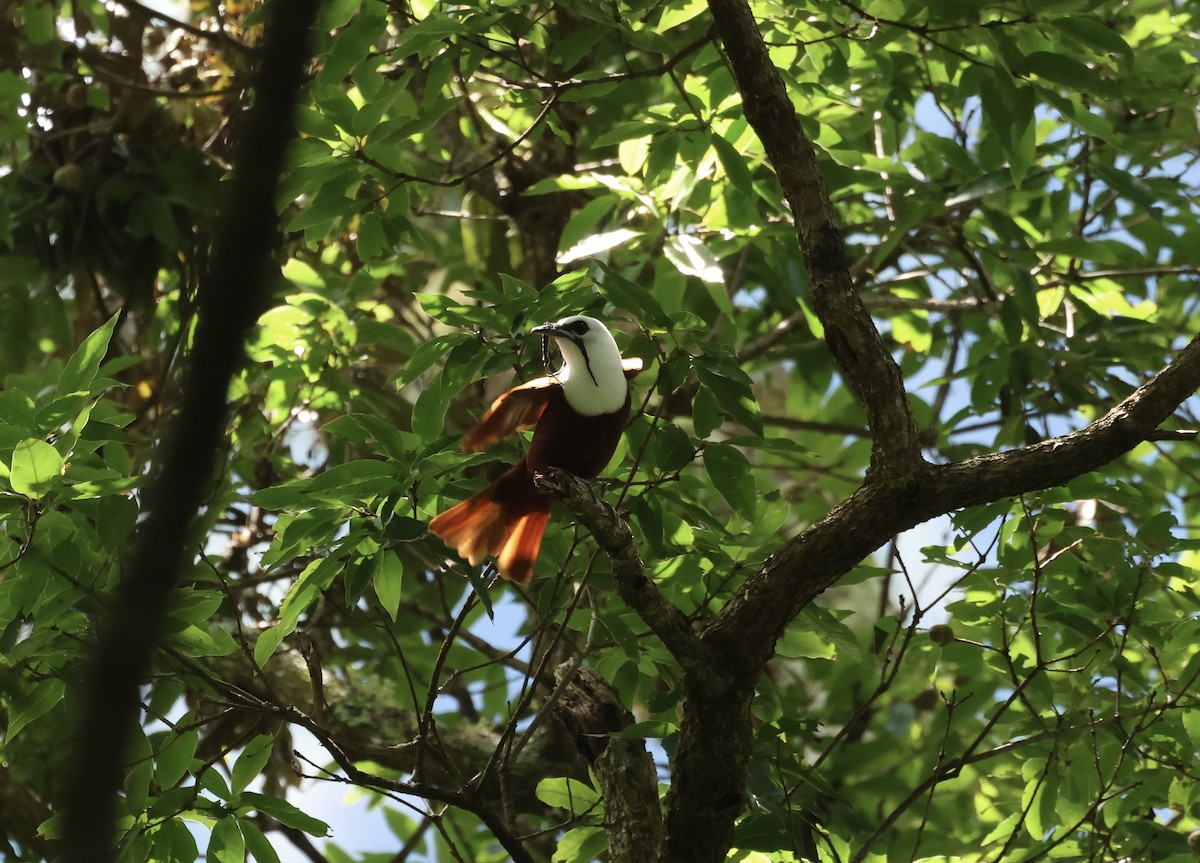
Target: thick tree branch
x: 1057, y: 460
x: 849, y: 332
x: 591, y: 710
x: 817, y: 557
x: 232, y: 293
x: 709, y: 769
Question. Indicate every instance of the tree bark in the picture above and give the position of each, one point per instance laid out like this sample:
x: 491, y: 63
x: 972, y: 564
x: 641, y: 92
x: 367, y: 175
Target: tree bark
x: 591, y: 710
x: 231, y: 295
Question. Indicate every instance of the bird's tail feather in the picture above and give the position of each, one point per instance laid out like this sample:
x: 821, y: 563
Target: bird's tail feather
x: 520, y: 551
x: 481, y: 526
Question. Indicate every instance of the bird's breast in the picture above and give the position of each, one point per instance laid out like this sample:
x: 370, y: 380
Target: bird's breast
x: 576, y: 442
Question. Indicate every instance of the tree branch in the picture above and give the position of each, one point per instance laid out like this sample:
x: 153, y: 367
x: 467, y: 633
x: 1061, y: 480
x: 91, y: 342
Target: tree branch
x: 900, y: 491
x: 1057, y: 460
x: 591, y: 710
x: 231, y: 295
x: 849, y: 332
x: 817, y: 557
x: 641, y: 594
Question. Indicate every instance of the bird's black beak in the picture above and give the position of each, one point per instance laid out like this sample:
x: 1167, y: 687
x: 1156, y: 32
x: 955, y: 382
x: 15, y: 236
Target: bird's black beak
x: 548, y: 330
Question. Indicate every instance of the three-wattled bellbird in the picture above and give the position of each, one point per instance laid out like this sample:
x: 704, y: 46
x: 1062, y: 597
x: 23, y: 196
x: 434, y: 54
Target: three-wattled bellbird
x: 577, y: 414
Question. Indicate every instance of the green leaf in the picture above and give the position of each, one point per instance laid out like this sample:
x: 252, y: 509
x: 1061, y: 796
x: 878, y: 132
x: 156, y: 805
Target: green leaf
x: 1094, y: 33
x: 621, y: 634
x: 257, y: 843
x: 1129, y: 186
x: 670, y: 448
x: 912, y: 332
x: 192, y: 605
x: 226, y: 844
x: 569, y: 794
x: 39, y: 21
x: 283, y: 812
x: 36, y: 468
x: 33, y: 703
x: 174, y: 759
x: 594, y: 244
x: 212, y: 781
x: 732, y: 476
x: 581, y: 844
x: 706, y: 414
x: 735, y: 165
x: 731, y: 388
x: 693, y: 258
x: 268, y: 641
x: 825, y: 623
x: 251, y: 762
x: 427, y: 354
x: 980, y: 187
x: 173, y: 841
x: 389, y: 581
x: 799, y: 643
x: 1067, y: 72
x: 675, y: 14
x: 1156, y: 530
x: 80, y: 371
x: 479, y: 588
x: 632, y: 297
x: 197, y: 641
x: 462, y: 367
x: 352, y: 45
x: 317, y: 576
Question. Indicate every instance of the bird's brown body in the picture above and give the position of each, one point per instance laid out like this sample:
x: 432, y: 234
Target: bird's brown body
x: 507, y: 519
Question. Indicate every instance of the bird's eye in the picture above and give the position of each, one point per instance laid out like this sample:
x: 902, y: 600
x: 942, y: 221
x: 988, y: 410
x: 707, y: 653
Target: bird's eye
x: 578, y: 327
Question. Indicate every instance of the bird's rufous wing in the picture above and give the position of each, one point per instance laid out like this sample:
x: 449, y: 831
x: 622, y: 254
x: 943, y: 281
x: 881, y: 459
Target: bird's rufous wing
x: 517, y: 409
x: 520, y: 408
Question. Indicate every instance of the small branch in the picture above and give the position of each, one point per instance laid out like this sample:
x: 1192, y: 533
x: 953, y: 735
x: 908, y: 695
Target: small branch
x: 928, y: 304
x: 1179, y: 434
x: 615, y: 539
x: 819, y: 555
x: 788, y: 422
x: 1058, y: 460
x: 503, y: 153
x: 219, y: 36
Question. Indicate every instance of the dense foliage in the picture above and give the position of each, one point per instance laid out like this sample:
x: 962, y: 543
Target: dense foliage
x: 1016, y: 183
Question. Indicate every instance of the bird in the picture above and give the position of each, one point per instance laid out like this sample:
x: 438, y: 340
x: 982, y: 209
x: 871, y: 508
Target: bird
x: 577, y: 413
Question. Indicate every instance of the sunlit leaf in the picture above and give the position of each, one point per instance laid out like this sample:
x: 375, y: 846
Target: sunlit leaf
x: 35, y: 469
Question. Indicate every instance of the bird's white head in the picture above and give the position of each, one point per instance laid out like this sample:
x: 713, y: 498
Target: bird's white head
x: 592, y: 377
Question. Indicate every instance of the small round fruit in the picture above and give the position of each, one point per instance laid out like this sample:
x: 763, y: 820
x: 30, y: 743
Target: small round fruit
x: 77, y: 95
x: 941, y: 634
x: 69, y: 177
x: 926, y: 700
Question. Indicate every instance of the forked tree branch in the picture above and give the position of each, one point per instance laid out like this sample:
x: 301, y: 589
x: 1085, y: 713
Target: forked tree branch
x: 591, y: 710
x: 900, y: 491
x: 812, y: 561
